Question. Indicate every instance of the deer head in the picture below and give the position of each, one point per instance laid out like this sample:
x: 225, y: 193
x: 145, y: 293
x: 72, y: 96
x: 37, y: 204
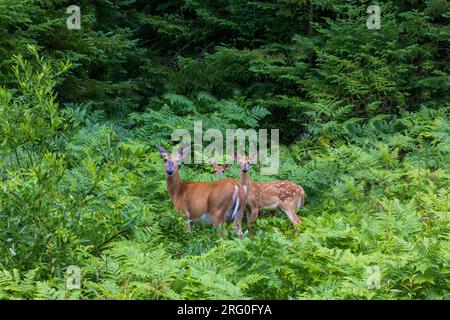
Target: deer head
x: 245, y: 161
x: 215, y: 202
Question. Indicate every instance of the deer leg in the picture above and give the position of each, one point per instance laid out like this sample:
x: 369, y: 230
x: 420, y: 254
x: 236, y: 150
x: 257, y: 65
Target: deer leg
x: 215, y: 220
x: 239, y: 228
x: 288, y: 208
x: 247, y: 215
x: 238, y: 222
x: 253, y: 217
x: 222, y: 230
x: 301, y: 200
x: 187, y: 224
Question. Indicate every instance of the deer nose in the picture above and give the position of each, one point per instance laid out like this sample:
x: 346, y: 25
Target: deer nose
x: 169, y: 172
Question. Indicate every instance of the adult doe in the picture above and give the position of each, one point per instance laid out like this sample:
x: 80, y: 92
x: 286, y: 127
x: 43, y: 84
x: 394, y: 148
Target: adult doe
x: 282, y: 194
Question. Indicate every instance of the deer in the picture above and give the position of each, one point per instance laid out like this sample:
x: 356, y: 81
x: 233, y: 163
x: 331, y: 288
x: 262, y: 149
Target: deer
x: 208, y: 202
x: 282, y: 194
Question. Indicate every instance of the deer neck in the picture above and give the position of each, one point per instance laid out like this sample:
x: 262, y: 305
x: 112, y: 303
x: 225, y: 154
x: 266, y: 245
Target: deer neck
x: 245, y: 180
x: 174, y: 184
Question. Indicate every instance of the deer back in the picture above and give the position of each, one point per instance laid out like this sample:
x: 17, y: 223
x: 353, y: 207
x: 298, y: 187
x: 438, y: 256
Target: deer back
x: 271, y: 194
x: 198, y: 198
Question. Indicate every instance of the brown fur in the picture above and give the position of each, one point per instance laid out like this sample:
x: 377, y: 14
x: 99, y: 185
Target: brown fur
x: 282, y: 194
x: 218, y: 199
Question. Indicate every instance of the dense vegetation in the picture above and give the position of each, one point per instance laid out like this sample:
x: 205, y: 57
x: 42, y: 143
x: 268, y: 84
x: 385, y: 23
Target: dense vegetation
x: 364, y: 126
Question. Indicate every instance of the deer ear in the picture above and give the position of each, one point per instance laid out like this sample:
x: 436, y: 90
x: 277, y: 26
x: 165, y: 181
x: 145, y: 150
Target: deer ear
x: 162, y: 151
x: 226, y: 166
